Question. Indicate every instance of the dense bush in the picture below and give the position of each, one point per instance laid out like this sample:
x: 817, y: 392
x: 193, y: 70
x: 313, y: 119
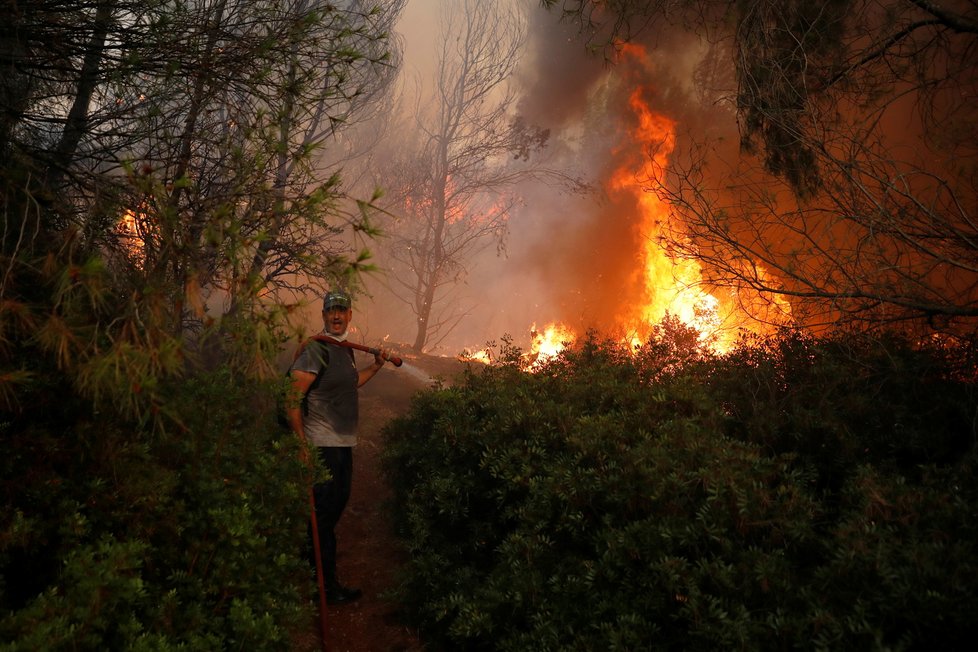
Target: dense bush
x: 115, y: 535
x: 788, y: 495
x: 148, y: 500
x: 851, y: 400
x: 165, y: 196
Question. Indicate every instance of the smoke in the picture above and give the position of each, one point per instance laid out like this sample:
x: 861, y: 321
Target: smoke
x: 568, y: 257
x: 571, y: 258
x: 575, y: 258
x: 557, y: 73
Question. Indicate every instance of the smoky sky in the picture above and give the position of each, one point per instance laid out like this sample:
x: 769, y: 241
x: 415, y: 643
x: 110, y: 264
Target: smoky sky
x: 558, y: 72
x: 573, y: 257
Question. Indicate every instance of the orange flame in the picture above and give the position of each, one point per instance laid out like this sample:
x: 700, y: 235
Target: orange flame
x: 483, y: 355
x: 672, y: 285
x: 549, y: 342
x: 478, y: 209
x: 129, y: 230
x: 666, y: 285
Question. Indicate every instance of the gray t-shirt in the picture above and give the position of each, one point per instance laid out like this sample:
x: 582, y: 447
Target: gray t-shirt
x: 332, y: 402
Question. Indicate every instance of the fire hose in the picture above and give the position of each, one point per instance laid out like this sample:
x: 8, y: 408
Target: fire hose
x: 393, y: 359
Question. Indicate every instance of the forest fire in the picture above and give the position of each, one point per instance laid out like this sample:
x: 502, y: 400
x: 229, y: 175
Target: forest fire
x: 669, y: 285
x: 482, y: 355
x: 662, y: 284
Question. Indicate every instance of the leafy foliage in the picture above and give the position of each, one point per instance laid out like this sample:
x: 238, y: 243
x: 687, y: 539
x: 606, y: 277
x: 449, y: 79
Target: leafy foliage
x: 118, y: 538
x: 160, y: 180
x: 619, y: 501
x: 147, y: 502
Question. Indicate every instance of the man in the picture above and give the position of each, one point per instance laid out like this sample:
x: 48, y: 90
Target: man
x: 327, y: 376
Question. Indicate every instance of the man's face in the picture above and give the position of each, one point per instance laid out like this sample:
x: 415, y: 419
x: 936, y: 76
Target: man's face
x: 337, y: 319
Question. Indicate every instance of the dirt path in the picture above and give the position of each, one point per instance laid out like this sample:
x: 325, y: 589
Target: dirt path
x: 368, y: 555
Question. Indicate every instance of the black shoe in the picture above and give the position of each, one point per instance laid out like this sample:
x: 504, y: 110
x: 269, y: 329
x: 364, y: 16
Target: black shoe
x: 339, y: 594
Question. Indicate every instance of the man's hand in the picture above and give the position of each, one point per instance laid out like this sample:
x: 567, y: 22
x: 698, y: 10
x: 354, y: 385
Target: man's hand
x: 380, y: 357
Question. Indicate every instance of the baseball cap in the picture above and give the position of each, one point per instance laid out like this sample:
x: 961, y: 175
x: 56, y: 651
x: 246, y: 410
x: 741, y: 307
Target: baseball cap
x: 336, y: 298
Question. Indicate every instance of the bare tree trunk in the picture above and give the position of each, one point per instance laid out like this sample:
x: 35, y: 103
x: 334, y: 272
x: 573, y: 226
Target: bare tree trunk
x: 458, y: 183
x: 437, y: 257
x: 15, y: 86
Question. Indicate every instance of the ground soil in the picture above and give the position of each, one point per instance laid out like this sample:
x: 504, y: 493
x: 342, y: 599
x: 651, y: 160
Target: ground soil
x: 368, y: 555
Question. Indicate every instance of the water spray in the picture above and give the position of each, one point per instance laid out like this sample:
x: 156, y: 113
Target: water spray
x: 419, y: 374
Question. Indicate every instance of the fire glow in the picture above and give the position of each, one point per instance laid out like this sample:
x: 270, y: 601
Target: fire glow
x: 128, y: 228
x: 664, y: 285
x: 549, y: 342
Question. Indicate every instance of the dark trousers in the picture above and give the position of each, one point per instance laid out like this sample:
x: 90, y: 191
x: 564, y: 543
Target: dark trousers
x: 331, y: 498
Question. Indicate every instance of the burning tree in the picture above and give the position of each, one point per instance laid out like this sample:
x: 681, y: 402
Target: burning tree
x: 853, y: 191
x: 874, y: 142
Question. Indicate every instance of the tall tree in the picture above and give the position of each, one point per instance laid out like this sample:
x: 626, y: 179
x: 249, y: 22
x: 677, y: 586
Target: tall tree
x: 203, y: 122
x: 263, y: 209
x: 452, y: 191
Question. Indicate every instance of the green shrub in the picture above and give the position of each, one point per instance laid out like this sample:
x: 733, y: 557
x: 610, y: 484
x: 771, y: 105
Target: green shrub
x: 615, y: 501
x: 121, y: 536
x: 847, y: 401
